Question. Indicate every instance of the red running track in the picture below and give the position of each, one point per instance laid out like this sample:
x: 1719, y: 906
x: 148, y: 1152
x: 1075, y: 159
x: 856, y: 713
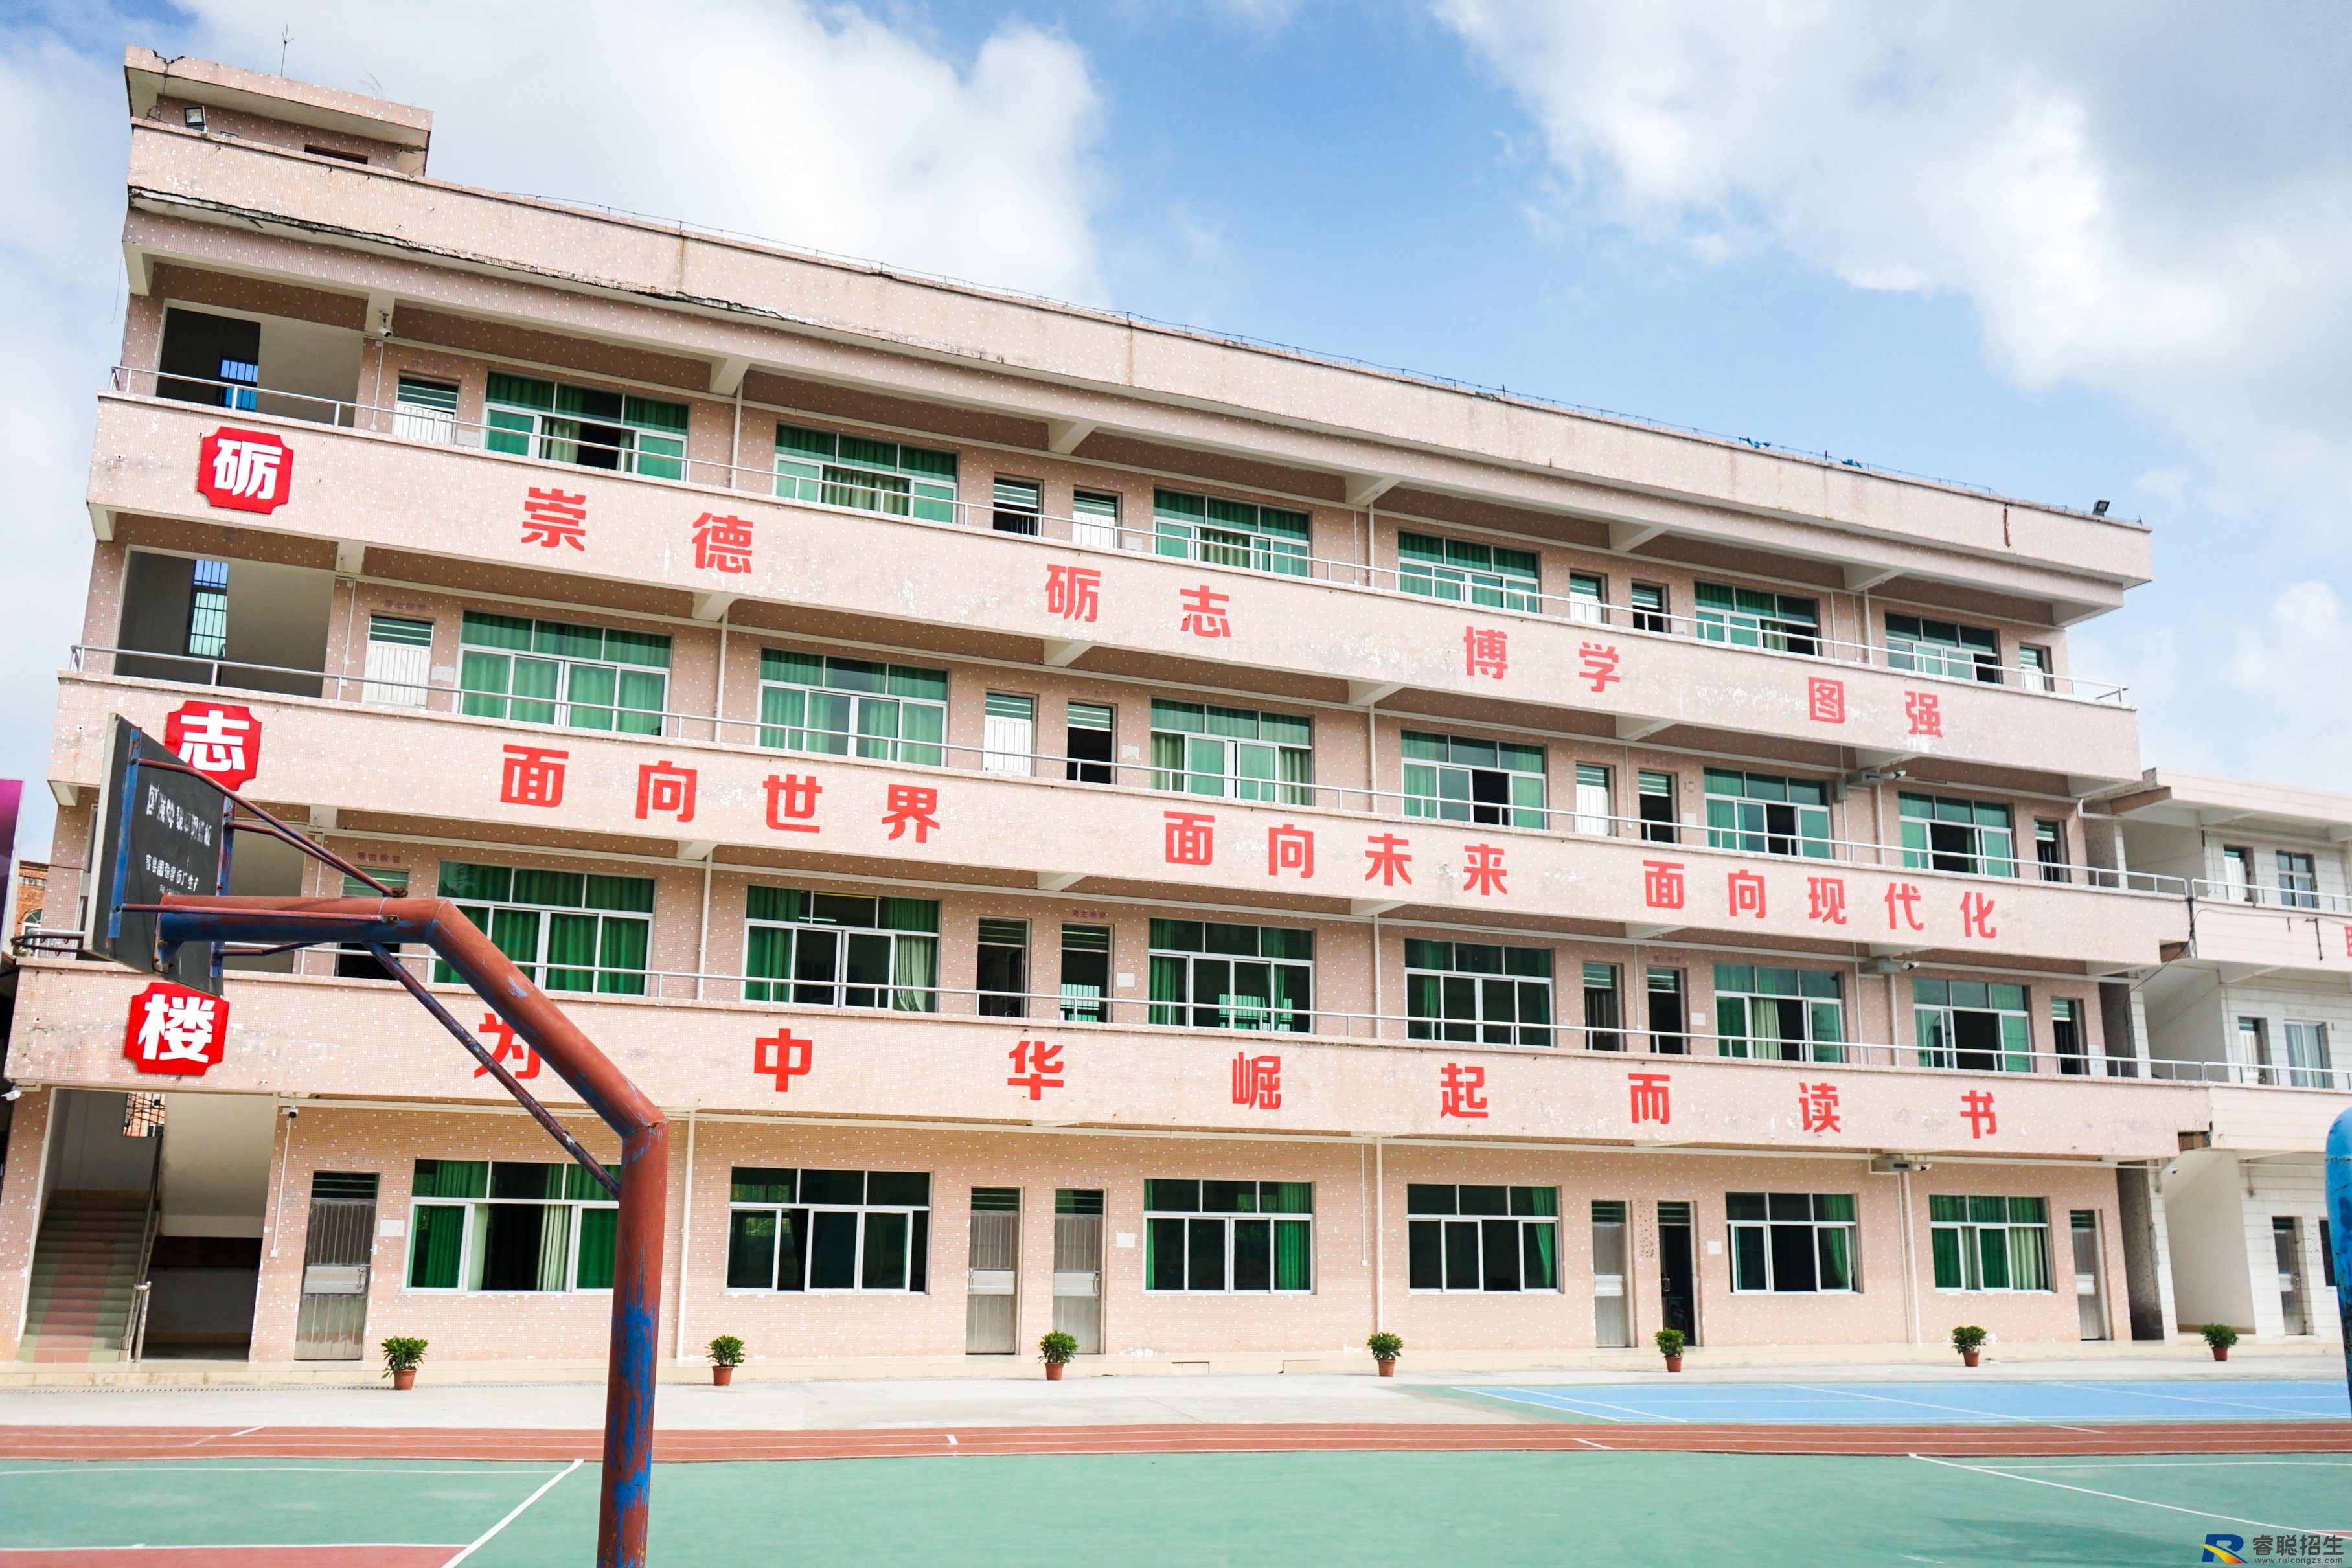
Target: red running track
x: 2018, y: 1440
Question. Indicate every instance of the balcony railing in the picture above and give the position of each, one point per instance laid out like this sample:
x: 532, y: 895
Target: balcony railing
x: 2287, y: 899
x: 1248, y: 1018
x: 1208, y: 545
x: 446, y: 697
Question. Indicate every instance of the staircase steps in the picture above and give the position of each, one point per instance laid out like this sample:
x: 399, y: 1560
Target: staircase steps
x: 85, y: 1265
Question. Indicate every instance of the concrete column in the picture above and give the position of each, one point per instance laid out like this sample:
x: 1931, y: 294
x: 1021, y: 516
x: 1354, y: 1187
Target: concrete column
x: 21, y: 1193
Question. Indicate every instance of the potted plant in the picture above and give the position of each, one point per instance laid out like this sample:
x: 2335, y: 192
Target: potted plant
x: 400, y: 1359
x: 1385, y: 1347
x: 1057, y: 1348
x: 2220, y: 1336
x: 1968, y: 1340
x: 726, y: 1355
x: 1671, y: 1345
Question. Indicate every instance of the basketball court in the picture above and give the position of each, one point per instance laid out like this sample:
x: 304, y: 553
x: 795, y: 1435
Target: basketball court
x: 2096, y: 1472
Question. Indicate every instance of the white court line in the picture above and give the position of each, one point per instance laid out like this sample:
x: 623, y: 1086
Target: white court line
x: 2196, y: 1465
x: 245, y: 1546
x: 181, y: 1467
x: 2192, y: 1399
x: 2118, y: 1497
x: 1955, y: 1409
x: 514, y: 1514
x: 1591, y: 1444
x: 1554, y: 1402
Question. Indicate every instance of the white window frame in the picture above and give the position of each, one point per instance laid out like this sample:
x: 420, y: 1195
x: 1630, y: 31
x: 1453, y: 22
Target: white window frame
x: 862, y: 1210
x: 399, y: 669
x: 473, y: 1240
x: 1009, y: 735
x: 1478, y: 1223
x: 1314, y: 1271
x: 1813, y: 1223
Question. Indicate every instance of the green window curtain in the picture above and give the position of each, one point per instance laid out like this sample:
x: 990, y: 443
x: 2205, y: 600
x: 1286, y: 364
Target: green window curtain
x: 1167, y: 973
x: 1293, y: 1255
x: 1836, y: 1257
x: 1945, y: 1241
x: 917, y: 962
x: 451, y: 1178
x: 2017, y: 1042
x: 435, y: 1250
x: 554, y: 1244
x: 571, y: 952
x: 515, y: 932
x: 1992, y: 1257
x: 767, y: 957
x: 1748, y: 1257
x: 621, y: 956
x: 1540, y: 1267
x: 2029, y: 1258
x: 598, y: 1230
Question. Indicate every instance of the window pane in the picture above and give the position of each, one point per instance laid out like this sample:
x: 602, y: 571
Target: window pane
x: 1836, y: 1258
x: 1539, y: 1263
x: 1205, y: 1267
x: 1425, y: 1241
x: 833, y: 1251
x: 1945, y: 1241
x: 599, y: 1229
x: 1462, y: 1255
x: 433, y: 1256
x: 1793, y: 1258
x: 1252, y: 1255
x: 1748, y: 1257
x: 1163, y: 1254
x: 885, y: 1252
x: 1500, y: 1238
x: 1293, y: 1264
x: 751, y: 1249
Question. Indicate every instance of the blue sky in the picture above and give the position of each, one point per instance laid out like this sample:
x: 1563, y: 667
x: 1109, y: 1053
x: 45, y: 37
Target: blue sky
x: 2104, y: 255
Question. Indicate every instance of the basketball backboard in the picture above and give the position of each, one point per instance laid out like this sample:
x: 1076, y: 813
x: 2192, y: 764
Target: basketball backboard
x: 156, y: 831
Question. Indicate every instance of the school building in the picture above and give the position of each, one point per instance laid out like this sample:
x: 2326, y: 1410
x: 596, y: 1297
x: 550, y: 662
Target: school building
x: 1092, y: 825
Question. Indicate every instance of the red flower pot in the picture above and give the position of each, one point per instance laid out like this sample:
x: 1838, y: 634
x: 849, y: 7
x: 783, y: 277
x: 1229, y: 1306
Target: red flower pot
x: 722, y: 1376
x: 1968, y: 1357
x: 405, y: 1377
x: 1388, y: 1367
x: 1673, y: 1363
x: 2221, y: 1352
x: 1053, y: 1371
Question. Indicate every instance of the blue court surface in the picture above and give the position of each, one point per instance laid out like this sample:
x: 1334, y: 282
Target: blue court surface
x: 1904, y: 1403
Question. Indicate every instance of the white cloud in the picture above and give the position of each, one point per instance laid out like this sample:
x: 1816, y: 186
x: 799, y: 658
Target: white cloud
x: 2152, y: 201
x: 808, y: 124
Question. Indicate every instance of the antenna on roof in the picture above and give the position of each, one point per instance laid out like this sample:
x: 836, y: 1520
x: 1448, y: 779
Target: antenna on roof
x: 285, y: 37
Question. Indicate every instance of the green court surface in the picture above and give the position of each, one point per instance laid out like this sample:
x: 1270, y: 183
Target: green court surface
x: 1217, y: 1509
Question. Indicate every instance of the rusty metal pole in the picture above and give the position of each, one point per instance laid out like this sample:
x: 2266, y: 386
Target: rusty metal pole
x: 644, y: 1142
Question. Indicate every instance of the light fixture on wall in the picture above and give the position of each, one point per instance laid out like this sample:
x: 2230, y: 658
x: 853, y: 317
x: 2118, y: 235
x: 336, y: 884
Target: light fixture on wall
x: 193, y: 116
x: 2098, y: 508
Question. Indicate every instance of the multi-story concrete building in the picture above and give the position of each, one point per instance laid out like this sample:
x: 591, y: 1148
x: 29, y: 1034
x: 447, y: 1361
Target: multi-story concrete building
x: 1083, y: 823
x: 2259, y: 1003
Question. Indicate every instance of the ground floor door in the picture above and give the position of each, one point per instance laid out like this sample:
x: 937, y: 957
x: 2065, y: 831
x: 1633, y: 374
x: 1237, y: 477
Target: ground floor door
x: 1077, y: 1266
x: 1613, y: 1316
x: 2090, y: 1301
x: 992, y: 1302
x: 1677, y: 1270
x: 330, y: 1322
x: 2286, y: 1240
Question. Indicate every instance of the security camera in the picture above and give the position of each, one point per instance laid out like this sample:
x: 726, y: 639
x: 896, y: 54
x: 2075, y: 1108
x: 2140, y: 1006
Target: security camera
x: 291, y: 1112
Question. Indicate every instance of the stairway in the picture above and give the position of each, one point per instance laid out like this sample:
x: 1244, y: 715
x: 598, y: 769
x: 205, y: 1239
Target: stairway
x: 84, y: 1266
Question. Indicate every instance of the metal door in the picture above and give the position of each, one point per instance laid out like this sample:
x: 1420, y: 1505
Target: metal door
x: 992, y: 1301
x: 1612, y: 1317
x: 1077, y: 1267
x: 1677, y: 1277
x: 2286, y: 1242
x: 2089, y: 1301
x: 330, y: 1324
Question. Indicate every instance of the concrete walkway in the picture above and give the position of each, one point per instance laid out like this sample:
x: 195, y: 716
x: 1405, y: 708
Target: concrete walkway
x: 768, y: 1403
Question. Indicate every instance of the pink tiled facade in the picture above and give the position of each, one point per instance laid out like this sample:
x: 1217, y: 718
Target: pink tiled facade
x: 1653, y: 828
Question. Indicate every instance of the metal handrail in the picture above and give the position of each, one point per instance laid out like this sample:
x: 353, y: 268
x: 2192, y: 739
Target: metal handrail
x: 434, y: 427
x: 134, y: 1327
x: 1126, y: 1013
x: 2289, y: 901
x: 1143, y: 777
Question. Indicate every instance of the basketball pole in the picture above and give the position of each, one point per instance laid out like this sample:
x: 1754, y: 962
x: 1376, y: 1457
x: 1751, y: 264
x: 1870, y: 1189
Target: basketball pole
x: 383, y: 924
x: 2339, y: 1224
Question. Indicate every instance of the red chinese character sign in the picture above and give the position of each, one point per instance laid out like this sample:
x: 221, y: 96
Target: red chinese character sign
x: 507, y: 1048
x: 175, y: 1030
x: 1257, y: 1081
x: 1462, y: 1092
x: 533, y: 775
x: 1073, y: 593
x: 1649, y: 1097
x: 782, y: 1056
x: 244, y: 470
x: 723, y: 544
x: 220, y: 740
x: 1036, y: 1067
x: 551, y: 517
x: 1976, y: 1106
